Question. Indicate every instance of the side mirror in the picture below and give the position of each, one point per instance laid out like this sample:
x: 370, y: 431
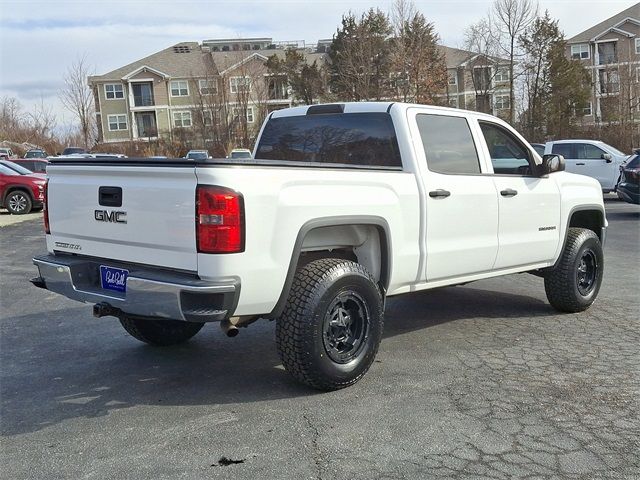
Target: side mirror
x: 552, y: 163
x: 606, y: 156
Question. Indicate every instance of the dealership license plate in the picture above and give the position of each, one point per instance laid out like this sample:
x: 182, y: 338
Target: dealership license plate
x: 113, y: 278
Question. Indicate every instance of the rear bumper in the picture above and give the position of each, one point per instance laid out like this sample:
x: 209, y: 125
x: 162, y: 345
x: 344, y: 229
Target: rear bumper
x: 150, y: 292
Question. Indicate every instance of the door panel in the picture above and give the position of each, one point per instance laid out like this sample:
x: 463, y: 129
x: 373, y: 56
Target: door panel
x: 528, y: 206
x: 462, y: 236
x: 461, y: 204
x: 529, y: 225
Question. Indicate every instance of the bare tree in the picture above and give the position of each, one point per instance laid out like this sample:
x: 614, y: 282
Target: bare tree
x: 512, y: 18
x: 482, y: 40
x: 77, y: 97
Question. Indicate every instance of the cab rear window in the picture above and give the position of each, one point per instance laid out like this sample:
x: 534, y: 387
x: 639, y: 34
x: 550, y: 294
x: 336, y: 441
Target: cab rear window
x: 358, y: 139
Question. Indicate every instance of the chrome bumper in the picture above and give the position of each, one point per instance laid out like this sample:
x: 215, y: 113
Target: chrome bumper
x: 149, y: 292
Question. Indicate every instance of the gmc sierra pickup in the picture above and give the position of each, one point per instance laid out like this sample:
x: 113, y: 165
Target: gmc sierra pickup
x: 340, y: 206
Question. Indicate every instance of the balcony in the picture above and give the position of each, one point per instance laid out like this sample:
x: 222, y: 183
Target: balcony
x: 607, y: 53
x: 143, y: 94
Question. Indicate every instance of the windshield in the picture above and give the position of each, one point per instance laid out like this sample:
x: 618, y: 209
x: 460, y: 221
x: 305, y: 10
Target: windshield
x: 617, y: 152
x: 14, y: 166
x: 35, y: 154
x: 197, y: 155
x: 240, y: 155
x: 7, y: 171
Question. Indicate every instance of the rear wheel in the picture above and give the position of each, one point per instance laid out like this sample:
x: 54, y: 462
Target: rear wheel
x: 573, y: 285
x: 18, y: 202
x: 330, y: 330
x: 160, y: 332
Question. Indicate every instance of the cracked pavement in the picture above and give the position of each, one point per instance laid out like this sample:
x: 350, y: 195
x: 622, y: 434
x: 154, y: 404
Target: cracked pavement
x: 480, y: 381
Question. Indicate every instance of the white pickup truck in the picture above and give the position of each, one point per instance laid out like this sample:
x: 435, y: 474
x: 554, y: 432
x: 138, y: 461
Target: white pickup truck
x: 341, y: 206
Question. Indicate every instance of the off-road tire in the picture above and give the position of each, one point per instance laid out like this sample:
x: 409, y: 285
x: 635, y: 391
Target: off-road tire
x: 565, y: 291
x: 18, y: 202
x: 160, y: 332
x: 318, y: 289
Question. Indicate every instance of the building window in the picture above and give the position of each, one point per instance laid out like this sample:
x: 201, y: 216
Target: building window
x: 502, y: 75
x: 453, y: 77
x: 181, y: 119
x: 453, y: 102
x: 240, y: 84
x: 237, y: 113
x: 179, y: 88
x: 609, y: 81
x: 117, y: 122
x: 637, y: 46
x: 580, y: 52
x: 113, y: 91
x: 207, y: 87
x: 207, y: 118
x: 588, y: 109
x: 502, y: 102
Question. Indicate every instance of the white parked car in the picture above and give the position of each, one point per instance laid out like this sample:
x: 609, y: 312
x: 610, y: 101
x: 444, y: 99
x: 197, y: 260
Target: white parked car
x: 592, y: 158
x: 342, y: 206
x: 198, y: 155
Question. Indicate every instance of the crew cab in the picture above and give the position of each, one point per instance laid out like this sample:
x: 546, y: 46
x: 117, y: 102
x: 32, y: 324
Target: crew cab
x: 340, y: 207
x: 592, y: 158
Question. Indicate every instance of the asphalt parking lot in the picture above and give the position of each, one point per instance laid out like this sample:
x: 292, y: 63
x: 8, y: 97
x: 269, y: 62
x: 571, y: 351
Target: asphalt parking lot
x: 480, y: 381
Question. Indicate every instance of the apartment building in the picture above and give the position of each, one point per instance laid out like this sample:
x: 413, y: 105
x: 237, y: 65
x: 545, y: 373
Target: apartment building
x: 477, y: 82
x: 610, y: 51
x: 193, y: 84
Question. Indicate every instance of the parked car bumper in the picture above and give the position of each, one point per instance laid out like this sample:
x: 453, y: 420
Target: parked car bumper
x: 150, y: 292
x: 629, y: 192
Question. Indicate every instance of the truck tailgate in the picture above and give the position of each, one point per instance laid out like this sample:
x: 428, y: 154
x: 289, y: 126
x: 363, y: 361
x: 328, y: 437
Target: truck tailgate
x: 153, y: 221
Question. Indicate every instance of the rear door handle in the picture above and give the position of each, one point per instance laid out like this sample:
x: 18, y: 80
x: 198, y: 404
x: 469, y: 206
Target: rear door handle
x: 509, y: 192
x: 579, y: 163
x: 439, y: 193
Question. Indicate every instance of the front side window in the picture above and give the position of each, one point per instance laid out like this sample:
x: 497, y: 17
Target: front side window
x: 448, y: 144
x: 453, y: 77
x: 181, y: 119
x: 637, y: 46
x: 117, y: 122
x: 240, y: 84
x: 580, y: 52
x: 586, y: 151
x: 179, y: 88
x: 113, y: 91
x: 364, y: 139
x: 508, y: 155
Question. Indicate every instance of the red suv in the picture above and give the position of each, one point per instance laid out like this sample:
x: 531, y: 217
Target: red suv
x: 20, y: 190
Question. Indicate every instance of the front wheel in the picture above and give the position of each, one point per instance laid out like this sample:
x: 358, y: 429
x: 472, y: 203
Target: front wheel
x: 160, y: 332
x: 331, y: 327
x: 18, y: 202
x: 573, y: 285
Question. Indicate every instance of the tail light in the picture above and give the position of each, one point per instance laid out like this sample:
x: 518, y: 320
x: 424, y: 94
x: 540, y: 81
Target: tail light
x: 45, y: 207
x: 219, y: 220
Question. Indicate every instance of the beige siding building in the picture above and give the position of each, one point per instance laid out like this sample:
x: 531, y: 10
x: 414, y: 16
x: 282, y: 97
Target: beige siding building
x: 610, y: 51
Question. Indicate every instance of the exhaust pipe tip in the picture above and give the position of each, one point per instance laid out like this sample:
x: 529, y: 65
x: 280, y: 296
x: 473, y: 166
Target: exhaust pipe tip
x: 103, y: 309
x: 229, y: 328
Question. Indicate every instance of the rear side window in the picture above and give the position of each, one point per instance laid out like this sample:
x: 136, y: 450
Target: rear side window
x: 365, y: 139
x: 563, y: 149
x: 448, y: 144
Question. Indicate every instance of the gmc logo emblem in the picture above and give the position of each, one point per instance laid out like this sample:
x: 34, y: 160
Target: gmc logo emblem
x: 113, y: 216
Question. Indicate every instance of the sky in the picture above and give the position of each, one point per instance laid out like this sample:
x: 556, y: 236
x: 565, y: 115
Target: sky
x: 39, y: 39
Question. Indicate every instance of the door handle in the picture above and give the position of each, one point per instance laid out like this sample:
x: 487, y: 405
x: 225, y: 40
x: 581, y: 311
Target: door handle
x: 509, y: 192
x: 580, y: 164
x: 439, y: 193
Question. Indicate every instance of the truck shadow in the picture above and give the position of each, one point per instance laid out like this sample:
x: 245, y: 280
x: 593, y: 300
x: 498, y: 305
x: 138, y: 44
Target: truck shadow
x: 89, y: 368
